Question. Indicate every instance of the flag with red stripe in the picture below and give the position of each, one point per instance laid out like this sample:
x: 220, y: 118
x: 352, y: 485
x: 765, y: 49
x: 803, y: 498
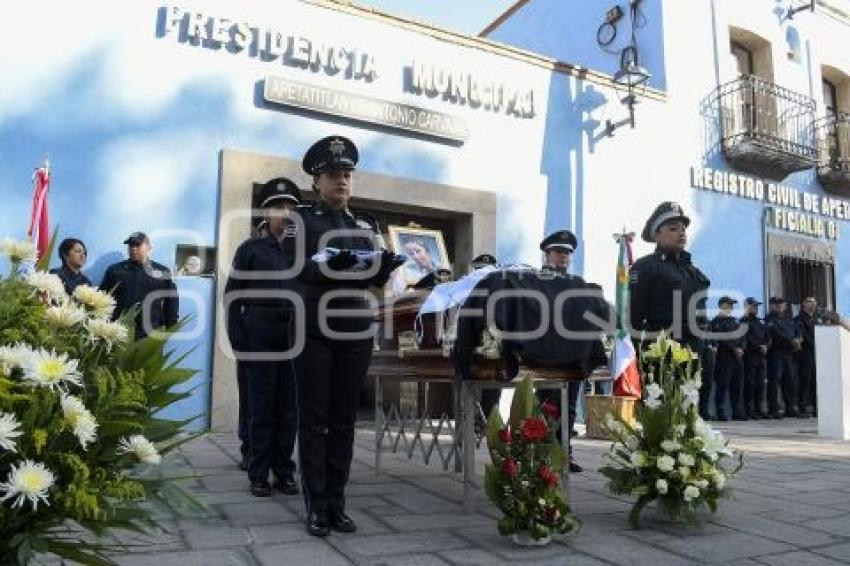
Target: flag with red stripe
x: 624, y: 366
x: 39, y: 230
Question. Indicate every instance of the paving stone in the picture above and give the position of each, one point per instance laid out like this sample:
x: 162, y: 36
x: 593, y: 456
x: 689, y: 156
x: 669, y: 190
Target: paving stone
x: 279, y: 534
x: 257, y: 513
x: 621, y: 549
x: 220, y: 537
x: 401, y: 543
x: 792, y: 534
x: 197, y: 558
x: 313, y: 553
x: 800, y: 558
x: 836, y: 525
x: 725, y: 548
x: 435, y: 521
x: 424, y: 503
x: 489, y: 539
x: 840, y: 552
x: 413, y: 560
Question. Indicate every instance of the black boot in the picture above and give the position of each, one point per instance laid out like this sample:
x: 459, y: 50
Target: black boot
x: 261, y: 488
x: 318, y: 523
x: 286, y: 485
x: 342, y: 523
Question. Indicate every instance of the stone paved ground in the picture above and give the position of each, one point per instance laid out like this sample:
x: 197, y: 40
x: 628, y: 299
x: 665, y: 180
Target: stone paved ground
x: 792, y: 507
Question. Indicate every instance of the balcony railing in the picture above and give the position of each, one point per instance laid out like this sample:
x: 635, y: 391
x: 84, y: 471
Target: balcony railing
x: 833, y: 135
x: 766, y: 129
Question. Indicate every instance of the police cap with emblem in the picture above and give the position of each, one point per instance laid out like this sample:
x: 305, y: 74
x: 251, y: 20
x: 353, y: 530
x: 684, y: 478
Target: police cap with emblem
x: 483, y: 260
x: 752, y: 301
x: 777, y: 301
x: 137, y: 238
x: 332, y: 152
x: 666, y: 212
x: 562, y: 239
x: 279, y: 189
x: 725, y: 300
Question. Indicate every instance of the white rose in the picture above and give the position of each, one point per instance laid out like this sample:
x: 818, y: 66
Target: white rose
x: 686, y: 459
x: 661, y: 486
x: 691, y: 493
x: 702, y: 484
x: 670, y: 445
x: 665, y: 463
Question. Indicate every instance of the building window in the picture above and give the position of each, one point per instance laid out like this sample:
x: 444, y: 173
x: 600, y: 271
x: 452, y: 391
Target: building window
x: 830, y: 103
x: 792, y: 43
x: 803, y: 278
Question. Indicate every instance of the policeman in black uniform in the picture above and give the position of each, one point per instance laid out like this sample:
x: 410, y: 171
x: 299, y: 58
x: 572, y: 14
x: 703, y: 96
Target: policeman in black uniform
x: 784, y: 341
x: 259, y: 319
x: 72, y: 253
x: 757, y: 342
x: 558, y: 248
x: 662, y: 284
x: 807, y: 388
x: 729, y: 369
x: 337, y: 349
x: 132, y: 280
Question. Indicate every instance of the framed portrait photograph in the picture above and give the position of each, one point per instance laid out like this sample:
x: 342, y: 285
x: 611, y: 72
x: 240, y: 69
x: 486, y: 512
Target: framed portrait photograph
x: 425, y: 250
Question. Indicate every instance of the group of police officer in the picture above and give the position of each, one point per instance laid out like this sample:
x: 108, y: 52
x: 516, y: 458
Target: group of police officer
x: 667, y: 292
x: 326, y: 258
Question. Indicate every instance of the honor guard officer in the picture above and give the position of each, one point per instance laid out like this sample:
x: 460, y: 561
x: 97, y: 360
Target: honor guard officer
x: 259, y: 321
x: 338, y: 346
x: 757, y: 341
x: 728, y: 369
x: 73, y: 254
x: 662, y: 284
x: 784, y: 341
x: 807, y: 382
x: 132, y: 280
x: 558, y: 248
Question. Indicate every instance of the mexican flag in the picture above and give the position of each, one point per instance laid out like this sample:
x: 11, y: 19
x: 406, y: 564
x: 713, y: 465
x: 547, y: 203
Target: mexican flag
x: 624, y: 366
x: 39, y: 229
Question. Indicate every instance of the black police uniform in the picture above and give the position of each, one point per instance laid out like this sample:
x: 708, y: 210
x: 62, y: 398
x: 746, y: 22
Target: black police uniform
x: 806, y: 384
x: 330, y: 369
x: 566, y: 240
x: 71, y: 279
x: 131, y: 282
x: 756, y: 341
x: 653, y: 280
x: 268, y: 418
x: 780, y: 364
x: 728, y: 371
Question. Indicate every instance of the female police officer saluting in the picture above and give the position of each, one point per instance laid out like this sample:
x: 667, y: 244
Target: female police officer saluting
x: 655, y: 280
x: 332, y: 365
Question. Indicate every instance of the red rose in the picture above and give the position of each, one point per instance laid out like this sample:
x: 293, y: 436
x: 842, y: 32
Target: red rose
x: 510, y: 468
x: 505, y: 435
x: 534, y: 430
x: 550, y: 409
x: 546, y: 475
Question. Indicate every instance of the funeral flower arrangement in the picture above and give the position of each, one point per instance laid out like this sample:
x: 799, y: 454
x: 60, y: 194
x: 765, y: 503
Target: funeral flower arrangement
x: 81, y: 442
x: 523, y: 478
x: 669, y: 454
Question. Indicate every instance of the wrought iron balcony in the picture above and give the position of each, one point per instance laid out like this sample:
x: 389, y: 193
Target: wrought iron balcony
x: 833, y: 135
x: 765, y: 129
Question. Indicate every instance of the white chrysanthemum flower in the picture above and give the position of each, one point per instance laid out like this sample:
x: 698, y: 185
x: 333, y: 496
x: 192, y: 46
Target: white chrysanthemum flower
x: 653, y: 396
x: 109, y: 332
x: 48, y: 283
x: 65, y: 315
x: 661, y: 486
x: 690, y: 394
x: 27, y: 481
x: 639, y: 459
x: 670, y: 445
x: 49, y: 369
x: 9, y: 431
x: 702, y: 484
x: 686, y: 459
x: 19, y: 250
x: 691, y: 492
x: 98, y: 303
x: 80, y: 419
x: 141, y: 447
x: 719, y: 480
x: 665, y: 463
x: 12, y: 357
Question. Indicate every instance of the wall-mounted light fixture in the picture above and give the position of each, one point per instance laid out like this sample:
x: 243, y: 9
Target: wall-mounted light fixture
x: 810, y: 6
x: 631, y: 75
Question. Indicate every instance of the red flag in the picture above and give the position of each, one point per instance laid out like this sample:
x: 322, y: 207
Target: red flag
x: 39, y: 220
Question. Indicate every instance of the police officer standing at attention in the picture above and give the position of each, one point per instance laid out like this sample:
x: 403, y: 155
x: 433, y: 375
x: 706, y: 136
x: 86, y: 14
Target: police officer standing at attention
x: 132, y: 280
x: 784, y: 341
x: 558, y: 249
x: 656, y: 279
x: 337, y: 348
x: 757, y: 342
x: 260, y: 327
x: 729, y: 369
x: 807, y: 384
